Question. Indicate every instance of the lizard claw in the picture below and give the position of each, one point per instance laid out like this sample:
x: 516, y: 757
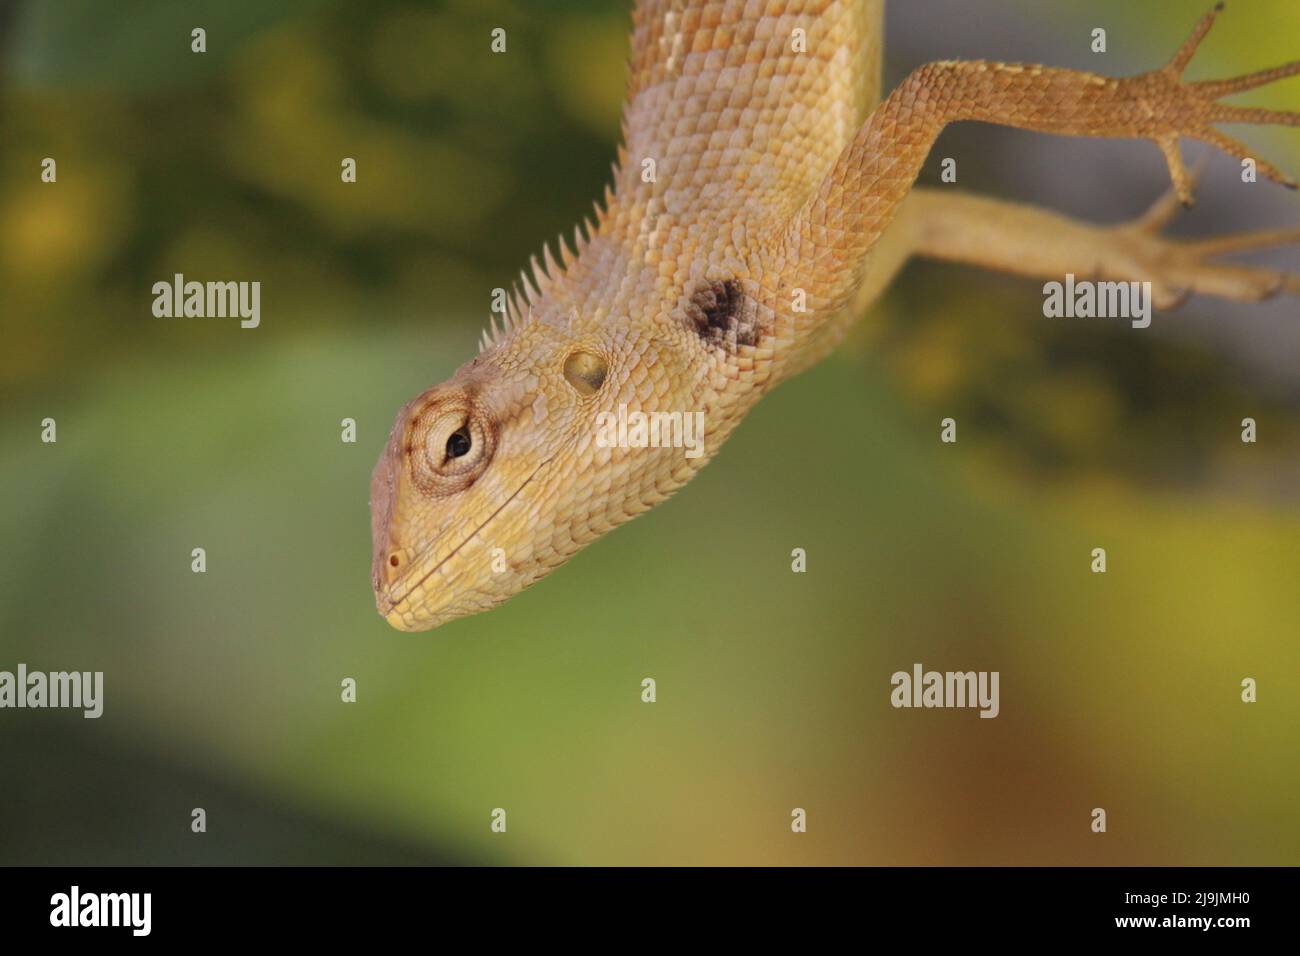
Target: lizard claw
x: 1188, y: 50
x: 1163, y: 210
x: 1183, y: 182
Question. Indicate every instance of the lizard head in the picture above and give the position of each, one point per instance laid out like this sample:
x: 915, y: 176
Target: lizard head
x: 452, y: 485
x: 494, y: 478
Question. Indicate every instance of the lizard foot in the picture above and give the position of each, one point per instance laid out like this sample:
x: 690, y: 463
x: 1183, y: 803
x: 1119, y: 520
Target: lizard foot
x: 1191, y: 110
x: 1177, y: 268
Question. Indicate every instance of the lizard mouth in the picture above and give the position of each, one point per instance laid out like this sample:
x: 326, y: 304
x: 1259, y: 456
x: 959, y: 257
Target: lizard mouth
x: 392, y: 607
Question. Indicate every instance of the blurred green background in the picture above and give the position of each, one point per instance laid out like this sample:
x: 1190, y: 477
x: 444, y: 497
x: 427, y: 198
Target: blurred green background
x: 222, y: 689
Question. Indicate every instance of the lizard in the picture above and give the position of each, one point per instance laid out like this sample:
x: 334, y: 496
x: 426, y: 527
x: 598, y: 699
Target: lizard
x: 763, y: 196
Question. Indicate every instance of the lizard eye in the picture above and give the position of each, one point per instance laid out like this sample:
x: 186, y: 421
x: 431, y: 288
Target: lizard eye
x: 457, y: 440
x: 459, y: 444
x: 585, y: 371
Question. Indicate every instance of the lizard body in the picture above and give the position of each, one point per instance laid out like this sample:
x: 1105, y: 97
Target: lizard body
x: 782, y: 202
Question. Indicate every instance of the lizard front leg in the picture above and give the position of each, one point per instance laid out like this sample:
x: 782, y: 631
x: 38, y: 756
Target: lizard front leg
x: 824, y: 245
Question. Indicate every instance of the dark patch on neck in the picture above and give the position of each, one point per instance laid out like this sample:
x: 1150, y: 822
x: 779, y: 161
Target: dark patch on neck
x: 723, y: 315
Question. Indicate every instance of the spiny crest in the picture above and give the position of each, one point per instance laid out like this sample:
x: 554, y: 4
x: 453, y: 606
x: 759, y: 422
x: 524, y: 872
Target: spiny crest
x: 534, y: 283
x: 541, y: 276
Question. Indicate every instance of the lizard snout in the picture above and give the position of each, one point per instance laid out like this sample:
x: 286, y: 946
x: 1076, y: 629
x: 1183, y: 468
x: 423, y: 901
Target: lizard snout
x: 383, y: 500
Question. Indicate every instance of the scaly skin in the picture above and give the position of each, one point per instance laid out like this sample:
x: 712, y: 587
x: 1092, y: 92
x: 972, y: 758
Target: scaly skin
x: 778, y: 183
